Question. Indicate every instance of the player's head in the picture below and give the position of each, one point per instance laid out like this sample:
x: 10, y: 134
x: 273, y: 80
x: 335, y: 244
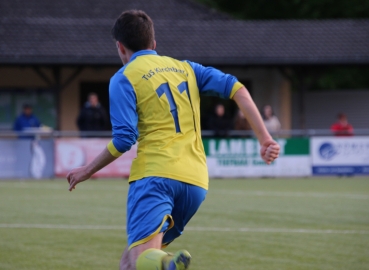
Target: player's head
x: 133, y: 31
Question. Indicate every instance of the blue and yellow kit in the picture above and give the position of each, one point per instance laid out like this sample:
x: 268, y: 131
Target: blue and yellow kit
x: 155, y: 100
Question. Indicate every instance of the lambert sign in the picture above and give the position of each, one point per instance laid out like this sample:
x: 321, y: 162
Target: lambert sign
x: 240, y: 158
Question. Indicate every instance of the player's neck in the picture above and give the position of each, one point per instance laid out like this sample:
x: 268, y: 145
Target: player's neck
x: 129, y: 53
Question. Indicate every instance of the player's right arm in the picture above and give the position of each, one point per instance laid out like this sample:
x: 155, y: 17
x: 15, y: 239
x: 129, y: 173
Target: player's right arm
x: 211, y: 81
x: 124, y: 121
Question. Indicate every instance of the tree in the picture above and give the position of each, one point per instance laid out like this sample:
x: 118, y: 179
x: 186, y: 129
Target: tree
x: 291, y: 9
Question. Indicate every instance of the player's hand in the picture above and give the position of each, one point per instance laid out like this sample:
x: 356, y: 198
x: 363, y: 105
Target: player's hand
x: 76, y: 176
x: 269, y: 151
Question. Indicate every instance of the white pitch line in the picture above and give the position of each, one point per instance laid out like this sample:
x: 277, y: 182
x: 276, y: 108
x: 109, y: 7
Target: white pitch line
x: 277, y: 230
x: 196, y: 229
x: 65, y: 187
x: 230, y: 192
x: 294, y: 194
x: 62, y: 226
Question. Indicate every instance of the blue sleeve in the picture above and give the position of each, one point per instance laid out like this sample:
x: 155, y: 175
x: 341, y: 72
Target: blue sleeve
x: 123, y: 113
x: 213, y: 82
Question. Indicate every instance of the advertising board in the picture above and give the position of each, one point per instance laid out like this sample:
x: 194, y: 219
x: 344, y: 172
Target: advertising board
x: 72, y: 153
x: 240, y: 158
x: 26, y: 158
x: 340, y: 155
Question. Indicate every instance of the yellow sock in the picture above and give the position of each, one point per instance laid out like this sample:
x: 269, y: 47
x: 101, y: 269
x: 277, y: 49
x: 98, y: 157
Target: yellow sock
x: 153, y: 259
x: 166, y: 260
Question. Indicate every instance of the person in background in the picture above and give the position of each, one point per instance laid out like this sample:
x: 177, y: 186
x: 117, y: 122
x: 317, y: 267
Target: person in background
x: 241, y: 123
x: 219, y: 123
x: 271, y: 121
x: 26, y: 119
x: 342, y: 126
x: 93, y: 116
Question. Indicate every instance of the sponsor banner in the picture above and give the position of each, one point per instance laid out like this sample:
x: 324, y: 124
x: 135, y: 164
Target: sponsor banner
x: 72, y: 153
x: 241, y: 158
x: 26, y: 158
x: 340, y: 155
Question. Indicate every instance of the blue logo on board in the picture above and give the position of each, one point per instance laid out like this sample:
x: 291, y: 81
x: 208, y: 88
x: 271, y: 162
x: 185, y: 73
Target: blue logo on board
x: 327, y: 151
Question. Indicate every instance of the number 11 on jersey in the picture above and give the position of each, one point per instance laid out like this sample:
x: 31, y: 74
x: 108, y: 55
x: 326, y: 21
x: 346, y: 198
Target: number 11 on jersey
x: 164, y: 89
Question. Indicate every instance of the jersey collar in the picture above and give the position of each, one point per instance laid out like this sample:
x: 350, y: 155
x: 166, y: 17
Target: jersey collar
x: 143, y: 52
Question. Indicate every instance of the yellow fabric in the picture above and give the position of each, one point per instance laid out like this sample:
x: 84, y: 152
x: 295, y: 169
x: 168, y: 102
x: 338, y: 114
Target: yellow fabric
x: 151, y: 236
x: 151, y: 259
x: 237, y: 86
x: 113, y: 151
x: 161, y: 150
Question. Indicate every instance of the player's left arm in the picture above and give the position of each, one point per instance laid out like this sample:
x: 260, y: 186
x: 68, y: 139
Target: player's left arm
x: 124, y: 119
x: 269, y: 148
x: 214, y: 82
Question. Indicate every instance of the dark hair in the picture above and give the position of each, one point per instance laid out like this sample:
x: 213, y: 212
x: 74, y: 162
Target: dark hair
x: 27, y: 106
x: 135, y: 30
x: 92, y: 94
x: 341, y: 116
x: 262, y: 112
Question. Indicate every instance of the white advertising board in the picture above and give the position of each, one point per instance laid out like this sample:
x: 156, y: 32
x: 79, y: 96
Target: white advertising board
x: 240, y: 158
x: 340, y: 155
x: 72, y: 153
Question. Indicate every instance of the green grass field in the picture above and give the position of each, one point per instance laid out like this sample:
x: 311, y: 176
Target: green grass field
x: 264, y: 224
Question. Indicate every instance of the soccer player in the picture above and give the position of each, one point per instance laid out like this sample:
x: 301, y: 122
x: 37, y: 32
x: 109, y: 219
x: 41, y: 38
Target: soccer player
x: 155, y: 100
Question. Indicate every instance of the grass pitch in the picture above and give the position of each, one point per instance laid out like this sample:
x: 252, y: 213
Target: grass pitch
x: 264, y: 224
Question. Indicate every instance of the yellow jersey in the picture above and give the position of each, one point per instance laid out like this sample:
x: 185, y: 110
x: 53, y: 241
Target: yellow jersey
x: 156, y: 101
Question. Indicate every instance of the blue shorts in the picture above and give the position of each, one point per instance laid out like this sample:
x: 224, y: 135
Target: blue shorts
x: 157, y: 204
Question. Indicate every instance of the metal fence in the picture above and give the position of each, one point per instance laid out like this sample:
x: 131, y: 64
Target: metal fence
x: 205, y: 133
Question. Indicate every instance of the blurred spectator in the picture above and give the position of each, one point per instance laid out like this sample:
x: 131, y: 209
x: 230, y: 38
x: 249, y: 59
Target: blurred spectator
x: 240, y: 122
x: 219, y: 123
x: 93, y: 116
x: 342, y: 126
x: 26, y: 119
x: 270, y: 120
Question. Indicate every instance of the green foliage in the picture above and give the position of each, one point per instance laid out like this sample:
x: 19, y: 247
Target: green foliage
x: 330, y: 78
x: 316, y: 204
x: 292, y: 9
x: 343, y: 78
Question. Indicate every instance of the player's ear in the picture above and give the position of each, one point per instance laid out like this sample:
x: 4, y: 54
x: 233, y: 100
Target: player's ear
x: 154, y: 45
x: 121, y: 48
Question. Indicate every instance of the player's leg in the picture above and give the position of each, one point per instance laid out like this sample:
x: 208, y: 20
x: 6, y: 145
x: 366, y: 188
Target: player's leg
x: 124, y: 261
x: 186, y: 205
x: 149, y: 206
x: 150, y: 203
x: 149, y: 256
x: 188, y: 199
x: 129, y: 257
